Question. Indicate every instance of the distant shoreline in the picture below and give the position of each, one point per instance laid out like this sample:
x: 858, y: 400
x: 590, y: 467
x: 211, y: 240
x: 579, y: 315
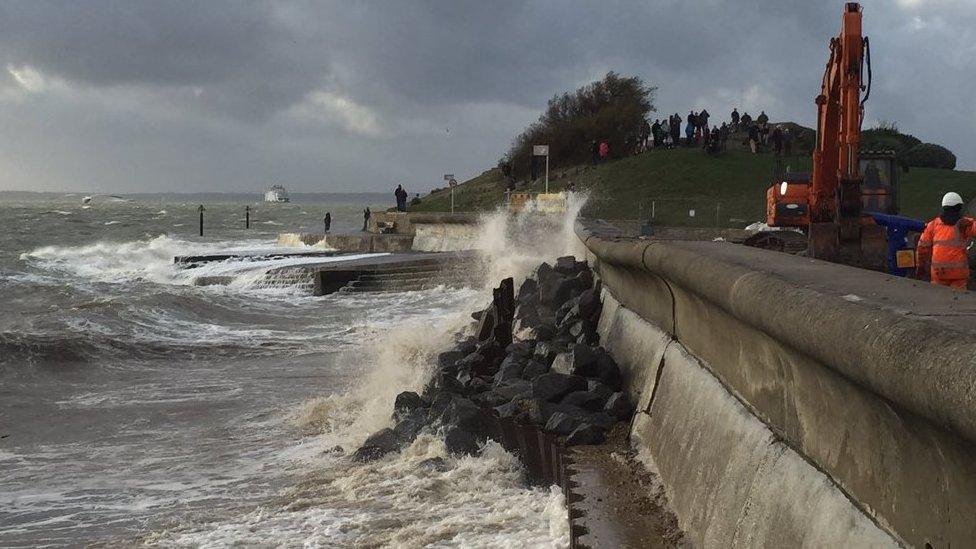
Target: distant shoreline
x: 257, y: 196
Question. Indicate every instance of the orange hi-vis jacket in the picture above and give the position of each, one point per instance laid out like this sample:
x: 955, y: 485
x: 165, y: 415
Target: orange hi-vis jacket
x: 942, y: 248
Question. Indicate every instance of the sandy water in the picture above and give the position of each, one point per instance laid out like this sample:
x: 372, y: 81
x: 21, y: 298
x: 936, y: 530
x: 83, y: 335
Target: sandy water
x: 137, y: 408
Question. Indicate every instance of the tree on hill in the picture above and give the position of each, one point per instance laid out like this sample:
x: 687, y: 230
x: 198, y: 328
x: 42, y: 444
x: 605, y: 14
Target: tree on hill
x: 909, y: 150
x: 610, y: 109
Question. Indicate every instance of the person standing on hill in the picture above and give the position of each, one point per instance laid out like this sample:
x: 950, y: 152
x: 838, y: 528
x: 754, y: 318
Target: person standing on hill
x: 656, y: 132
x: 595, y: 152
x: 604, y: 151
x: 746, y: 121
x: 723, y: 134
x: 735, y: 119
x: 666, y: 132
x: 762, y: 120
x: 703, y: 117
x: 401, y: 198
x: 690, y: 134
x: 777, y: 138
x: 676, y: 129
x: 754, y: 138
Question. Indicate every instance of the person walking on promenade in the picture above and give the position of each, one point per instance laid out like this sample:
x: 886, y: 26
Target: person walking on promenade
x: 942, y: 247
x: 366, y: 215
x: 327, y: 221
x: 401, y: 198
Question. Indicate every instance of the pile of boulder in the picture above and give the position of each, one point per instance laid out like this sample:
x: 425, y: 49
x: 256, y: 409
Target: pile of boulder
x: 534, y: 359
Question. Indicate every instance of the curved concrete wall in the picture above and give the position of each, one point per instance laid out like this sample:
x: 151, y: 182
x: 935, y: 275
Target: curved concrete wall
x: 779, y: 414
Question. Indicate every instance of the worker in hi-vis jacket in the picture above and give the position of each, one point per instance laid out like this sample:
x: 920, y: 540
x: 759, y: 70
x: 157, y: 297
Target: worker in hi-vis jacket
x: 942, y: 247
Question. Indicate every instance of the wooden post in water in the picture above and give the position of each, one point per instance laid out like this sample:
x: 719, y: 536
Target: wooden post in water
x: 247, y: 217
x: 201, y: 209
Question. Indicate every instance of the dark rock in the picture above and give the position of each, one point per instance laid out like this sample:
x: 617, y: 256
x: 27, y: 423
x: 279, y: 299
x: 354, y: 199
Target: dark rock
x: 439, y: 404
x: 377, y: 445
x: 489, y: 399
x: 591, y: 402
x: 477, y: 315
x: 562, y: 423
x: 553, y: 386
x: 533, y: 410
x: 578, y: 330
x: 478, y: 385
x: 544, y: 332
x: 409, y: 427
x: 522, y: 349
x: 585, y: 434
x: 607, y: 370
x: 567, y: 310
x: 464, y: 378
x: 511, y: 368
x: 528, y: 291
x: 507, y: 410
x: 566, y: 265
x: 472, y: 361
x: 601, y: 420
x: 407, y: 402
x: 513, y: 389
x: 534, y: 368
x: 448, y: 358
x: 618, y: 406
x: 445, y: 380
x: 589, y: 304
x: 581, y: 361
x: 545, y: 352
x: 434, y: 464
x: 468, y: 416
x: 468, y: 346
x: 597, y: 387
x: 460, y: 441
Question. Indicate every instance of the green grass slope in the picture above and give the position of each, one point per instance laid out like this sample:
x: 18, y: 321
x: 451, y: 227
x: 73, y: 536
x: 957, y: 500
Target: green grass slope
x: 727, y: 190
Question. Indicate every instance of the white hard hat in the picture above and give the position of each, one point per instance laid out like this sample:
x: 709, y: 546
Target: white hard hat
x: 951, y: 199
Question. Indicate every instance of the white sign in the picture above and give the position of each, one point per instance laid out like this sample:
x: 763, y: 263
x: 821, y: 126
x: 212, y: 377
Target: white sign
x: 452, y: 182
x: 691, y: 213
x: 540, y: 150
x: 448, y: 176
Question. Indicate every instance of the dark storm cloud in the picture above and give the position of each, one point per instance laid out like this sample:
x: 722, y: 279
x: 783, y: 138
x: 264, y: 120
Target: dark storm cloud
x: 120, y: 95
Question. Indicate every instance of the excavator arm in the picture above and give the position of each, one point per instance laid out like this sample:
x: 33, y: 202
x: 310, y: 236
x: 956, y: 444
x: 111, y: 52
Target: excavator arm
x: 829, y: 203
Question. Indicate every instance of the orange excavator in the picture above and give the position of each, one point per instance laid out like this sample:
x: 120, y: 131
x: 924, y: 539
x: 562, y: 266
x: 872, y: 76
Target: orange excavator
x: 830, y: 206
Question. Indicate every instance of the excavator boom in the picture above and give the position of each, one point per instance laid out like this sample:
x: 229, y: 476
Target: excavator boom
x: 828, y: 204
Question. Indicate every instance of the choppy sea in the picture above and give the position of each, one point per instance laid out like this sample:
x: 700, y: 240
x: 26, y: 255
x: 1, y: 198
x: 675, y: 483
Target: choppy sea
x: 137, y: 408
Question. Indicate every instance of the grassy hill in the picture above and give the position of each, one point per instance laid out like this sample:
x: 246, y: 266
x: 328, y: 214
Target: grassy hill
x: 727, y: 190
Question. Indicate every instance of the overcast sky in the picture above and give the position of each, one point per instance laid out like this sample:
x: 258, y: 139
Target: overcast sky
x: 129, y: 96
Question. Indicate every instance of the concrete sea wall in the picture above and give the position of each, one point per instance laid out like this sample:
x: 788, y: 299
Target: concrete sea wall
x: 790, y: 402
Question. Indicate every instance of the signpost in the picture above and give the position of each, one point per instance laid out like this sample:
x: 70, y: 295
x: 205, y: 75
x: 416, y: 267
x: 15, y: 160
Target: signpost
x: 543, y: 150
x: 449, y: 177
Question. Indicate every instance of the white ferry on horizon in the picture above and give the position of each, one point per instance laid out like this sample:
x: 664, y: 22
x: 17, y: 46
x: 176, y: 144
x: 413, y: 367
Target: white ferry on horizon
x: 276, y: 193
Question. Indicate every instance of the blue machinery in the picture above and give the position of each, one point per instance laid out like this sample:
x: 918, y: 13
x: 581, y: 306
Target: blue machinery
x: 901, y: 256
